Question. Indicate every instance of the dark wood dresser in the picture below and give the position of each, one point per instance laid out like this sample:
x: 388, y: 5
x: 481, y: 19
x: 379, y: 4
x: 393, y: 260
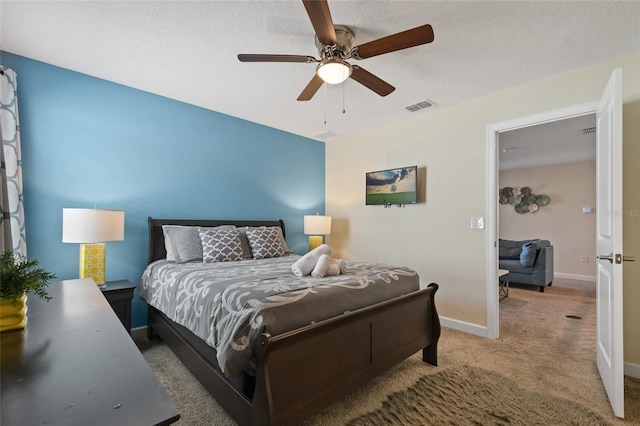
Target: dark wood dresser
x: 75, y: 364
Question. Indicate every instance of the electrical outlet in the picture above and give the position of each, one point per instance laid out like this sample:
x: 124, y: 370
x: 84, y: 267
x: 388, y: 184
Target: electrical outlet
x: 584, y: 259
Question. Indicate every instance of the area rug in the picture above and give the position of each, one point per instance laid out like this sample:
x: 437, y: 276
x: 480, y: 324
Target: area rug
x: 473, y: 396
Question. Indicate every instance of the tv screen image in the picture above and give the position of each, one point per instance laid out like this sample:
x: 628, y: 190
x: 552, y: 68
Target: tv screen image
x: 392, y: 186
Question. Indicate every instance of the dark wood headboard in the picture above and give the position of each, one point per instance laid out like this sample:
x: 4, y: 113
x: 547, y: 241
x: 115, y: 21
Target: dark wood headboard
x: 156, y: 236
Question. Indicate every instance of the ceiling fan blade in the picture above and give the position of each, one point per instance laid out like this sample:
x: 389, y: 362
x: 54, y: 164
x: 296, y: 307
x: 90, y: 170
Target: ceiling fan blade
x: 318, y: 11
x: 275, y: 58
x: 369, y: 80
x: 394, y: 42
x: 311, y: 89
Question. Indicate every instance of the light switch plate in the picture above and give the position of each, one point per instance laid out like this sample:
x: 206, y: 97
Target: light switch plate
x: 477, y: 222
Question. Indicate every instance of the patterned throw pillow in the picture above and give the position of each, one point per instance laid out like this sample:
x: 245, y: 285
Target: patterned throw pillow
x: 265, y: 242
x: 220, y: 245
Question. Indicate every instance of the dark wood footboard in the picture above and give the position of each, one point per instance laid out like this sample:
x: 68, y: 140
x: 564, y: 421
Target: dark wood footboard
x: 302, y: 371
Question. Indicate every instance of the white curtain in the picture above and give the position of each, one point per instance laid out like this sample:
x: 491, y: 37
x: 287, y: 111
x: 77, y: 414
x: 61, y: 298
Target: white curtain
x: 12, y: 229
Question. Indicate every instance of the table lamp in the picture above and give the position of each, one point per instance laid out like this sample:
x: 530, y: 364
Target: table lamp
x: 92, y: 228
x: 317, y: 227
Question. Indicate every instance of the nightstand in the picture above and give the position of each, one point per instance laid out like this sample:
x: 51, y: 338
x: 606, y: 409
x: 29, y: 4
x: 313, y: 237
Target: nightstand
x: 119, y: 295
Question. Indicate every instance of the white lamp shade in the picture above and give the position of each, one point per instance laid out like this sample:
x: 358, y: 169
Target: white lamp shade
x: 317, y: 225
x: 88, y: 226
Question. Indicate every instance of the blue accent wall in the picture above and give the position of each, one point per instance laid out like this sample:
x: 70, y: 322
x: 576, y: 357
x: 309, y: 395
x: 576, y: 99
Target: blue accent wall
x: 87, y: 142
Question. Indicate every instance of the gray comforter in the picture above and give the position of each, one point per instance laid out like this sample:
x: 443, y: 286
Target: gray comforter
x: 228, y: 304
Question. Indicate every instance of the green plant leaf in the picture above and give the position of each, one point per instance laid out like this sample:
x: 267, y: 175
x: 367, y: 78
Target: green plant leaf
x: 19, y: 275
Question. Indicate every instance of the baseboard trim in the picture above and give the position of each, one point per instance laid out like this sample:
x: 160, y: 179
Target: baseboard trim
x: 467, y: 327
x: 574, y: 277
x: 138, y: 333
x: 632, y: 370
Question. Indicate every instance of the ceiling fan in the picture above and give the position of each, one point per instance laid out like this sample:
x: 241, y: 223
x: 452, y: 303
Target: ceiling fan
x: 335, y: 46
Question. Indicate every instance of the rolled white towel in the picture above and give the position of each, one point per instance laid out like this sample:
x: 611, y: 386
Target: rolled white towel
x: 321, y: 268
x: 341, y: 264
x: 306, y: 263
x: 334, y: 269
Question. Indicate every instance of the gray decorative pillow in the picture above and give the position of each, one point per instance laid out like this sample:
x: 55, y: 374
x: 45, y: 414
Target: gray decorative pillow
x: 282, y: 240
x: 220, y: 245
x: 265, y: 242
x: 182, y: 243
x: 244, y: 241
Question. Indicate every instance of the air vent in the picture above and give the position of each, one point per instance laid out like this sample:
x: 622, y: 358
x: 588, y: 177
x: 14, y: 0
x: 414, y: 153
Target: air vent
x: 589, y: 130
x: 420, y: 105
x: 326, y: 135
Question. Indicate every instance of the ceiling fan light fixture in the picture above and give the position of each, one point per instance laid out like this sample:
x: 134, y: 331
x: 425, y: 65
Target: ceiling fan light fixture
x: 333, y: 71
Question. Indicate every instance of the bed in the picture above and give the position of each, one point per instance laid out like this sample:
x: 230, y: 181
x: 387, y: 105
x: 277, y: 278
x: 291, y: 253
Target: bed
x: 293, y: 371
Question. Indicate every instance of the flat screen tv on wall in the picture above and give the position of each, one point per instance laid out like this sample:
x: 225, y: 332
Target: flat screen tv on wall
x: 392, y: 186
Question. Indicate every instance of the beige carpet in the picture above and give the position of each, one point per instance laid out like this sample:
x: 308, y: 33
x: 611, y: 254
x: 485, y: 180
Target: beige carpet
x: 539, y: 348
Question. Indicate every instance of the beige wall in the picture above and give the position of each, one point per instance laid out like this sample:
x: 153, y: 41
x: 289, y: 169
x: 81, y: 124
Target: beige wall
x: 449, y: 144
x: 570, y: 187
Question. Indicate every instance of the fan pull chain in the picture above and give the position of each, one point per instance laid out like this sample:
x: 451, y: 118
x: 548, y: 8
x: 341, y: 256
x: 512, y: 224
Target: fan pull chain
x: 343, y: 96
x: 325, y: 104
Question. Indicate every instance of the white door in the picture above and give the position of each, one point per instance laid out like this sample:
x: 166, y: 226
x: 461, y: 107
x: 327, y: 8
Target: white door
x: 609, y: 242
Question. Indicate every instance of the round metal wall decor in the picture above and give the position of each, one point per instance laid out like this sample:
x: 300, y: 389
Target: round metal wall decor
x: 542, y: 200
x: 506, y: 192
x: 523, y: 199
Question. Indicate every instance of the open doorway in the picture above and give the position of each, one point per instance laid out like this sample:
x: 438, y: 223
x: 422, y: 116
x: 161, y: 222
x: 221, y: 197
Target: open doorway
x: 547, y: 195
x: 547, y: 182
x: 494, y: 134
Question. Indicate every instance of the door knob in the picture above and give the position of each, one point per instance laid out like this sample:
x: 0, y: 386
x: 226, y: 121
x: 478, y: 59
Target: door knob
x: 618, y: 258
x: 606, y: 257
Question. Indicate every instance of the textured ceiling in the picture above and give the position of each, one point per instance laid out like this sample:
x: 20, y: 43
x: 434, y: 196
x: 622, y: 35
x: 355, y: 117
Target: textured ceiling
x: 186, y: 50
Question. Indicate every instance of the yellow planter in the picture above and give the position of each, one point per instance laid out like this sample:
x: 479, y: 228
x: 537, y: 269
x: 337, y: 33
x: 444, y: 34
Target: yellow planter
x: 13, y: 317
